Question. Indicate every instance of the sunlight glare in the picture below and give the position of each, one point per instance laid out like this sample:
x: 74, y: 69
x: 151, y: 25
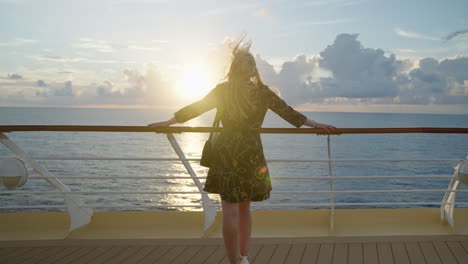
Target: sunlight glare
x: 195, y: 81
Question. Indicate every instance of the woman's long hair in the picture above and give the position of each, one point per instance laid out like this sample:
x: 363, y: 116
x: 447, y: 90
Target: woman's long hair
x: 242, y: 78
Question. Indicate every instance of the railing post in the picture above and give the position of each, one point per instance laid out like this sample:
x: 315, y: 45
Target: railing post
x: 448, y: 202
x: 208, y: 207
x: 330, y: 178
x: 79, y: 215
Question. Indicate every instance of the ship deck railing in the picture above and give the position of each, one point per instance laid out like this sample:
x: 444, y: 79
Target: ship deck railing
x: 80, y: 213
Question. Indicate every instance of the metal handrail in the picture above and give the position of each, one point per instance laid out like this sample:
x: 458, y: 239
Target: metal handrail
x: 273, y: 177
x: 274, y: 192
x: 218, y: 205
x: 268, y: 160
x: 179, y: 129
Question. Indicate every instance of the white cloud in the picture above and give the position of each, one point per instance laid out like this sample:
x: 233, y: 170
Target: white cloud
x: 97, y: 45
x: 52, y: 58
x: 17, y: 42
x: 412, y: 35
x: 105, y: 46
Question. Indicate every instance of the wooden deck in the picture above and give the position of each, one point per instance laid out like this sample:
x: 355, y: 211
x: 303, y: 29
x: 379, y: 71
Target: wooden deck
x: 365, y: 250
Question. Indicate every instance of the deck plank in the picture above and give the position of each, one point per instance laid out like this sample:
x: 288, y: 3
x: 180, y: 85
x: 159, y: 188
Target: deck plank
x: 310, y: 254
x: 12, y: 253
x: 444, y: 252
x: 295, y: 254
x: 139, y: 255
x: 280, y: 254
x: 370, y: 253
x: 253, y: 252
x: 26, y: 255
x: 458, y: 251
x: 90, y: 255
x: 171, y: 254
x: 217, y: 256
x: 340, y: 253
x: 187, y: 254
x: 102, y: 258
x: 400, y: 255
x: 384, y: 251
x: 76, y: 255
x: 59, y: 255
x: 414, y: 253
x: 122, y: 255
x: 325, y: 255
x: 154, y: 255
x: 465, y: 244
x: 355, y: 253
x: 49, y: 252
x: 265, y: 254
x: 429, y: 252
x: 202, y: 254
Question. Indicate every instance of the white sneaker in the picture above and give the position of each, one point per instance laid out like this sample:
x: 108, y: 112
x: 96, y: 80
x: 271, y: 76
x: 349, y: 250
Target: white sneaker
x: 244, y: 260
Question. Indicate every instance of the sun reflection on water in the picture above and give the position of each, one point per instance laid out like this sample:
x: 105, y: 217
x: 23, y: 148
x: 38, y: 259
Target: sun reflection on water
x: 192, y: 147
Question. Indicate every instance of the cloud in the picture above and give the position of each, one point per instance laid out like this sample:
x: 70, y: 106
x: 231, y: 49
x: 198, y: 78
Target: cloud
x: 97, y: 45
x: 266, y: 70
x: 52, y: 58
x: 56, y: 58
x: 14, y: 76
x: 357, y: 71
x: 107, y: 88
x: 66, y: 90
x: 436, y: 83
x: 147, y: 86
x: 105, y: 46
x: 346, y: 72
x: 412, y: 35
x: 17, y: 42
x: 343, y: 73
x: 295, y: 78
x: 455, y: 34
x: 41, y: 83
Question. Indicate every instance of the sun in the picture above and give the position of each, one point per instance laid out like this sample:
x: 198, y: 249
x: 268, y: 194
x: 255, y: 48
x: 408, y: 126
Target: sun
x: 194, y: 82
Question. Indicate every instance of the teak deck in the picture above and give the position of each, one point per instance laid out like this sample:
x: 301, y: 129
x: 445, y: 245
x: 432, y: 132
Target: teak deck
x: 365, y: 250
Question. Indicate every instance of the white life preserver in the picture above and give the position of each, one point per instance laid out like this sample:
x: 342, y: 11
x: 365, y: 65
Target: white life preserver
x: 13, y: 173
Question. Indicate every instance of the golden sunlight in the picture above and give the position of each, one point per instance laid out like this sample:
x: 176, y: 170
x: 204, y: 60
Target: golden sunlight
x: 194, y: 82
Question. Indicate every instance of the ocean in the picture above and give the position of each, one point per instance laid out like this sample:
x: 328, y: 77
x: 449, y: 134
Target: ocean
x: 286, y: 176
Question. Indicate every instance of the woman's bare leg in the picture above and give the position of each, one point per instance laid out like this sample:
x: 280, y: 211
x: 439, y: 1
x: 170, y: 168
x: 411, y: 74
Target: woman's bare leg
x: 231, y: 230
x: 245, y: 227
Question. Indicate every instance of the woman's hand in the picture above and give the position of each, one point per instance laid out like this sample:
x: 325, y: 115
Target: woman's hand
x: 328, y: 128
x: 163, y: 123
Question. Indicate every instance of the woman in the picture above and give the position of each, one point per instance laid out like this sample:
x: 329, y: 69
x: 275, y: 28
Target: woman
x: 239, y: 172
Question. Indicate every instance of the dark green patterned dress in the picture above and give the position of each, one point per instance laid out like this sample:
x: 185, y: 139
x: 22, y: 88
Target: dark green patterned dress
x: 240, y: 172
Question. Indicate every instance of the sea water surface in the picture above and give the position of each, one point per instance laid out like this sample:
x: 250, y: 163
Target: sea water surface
x: 276, y: 146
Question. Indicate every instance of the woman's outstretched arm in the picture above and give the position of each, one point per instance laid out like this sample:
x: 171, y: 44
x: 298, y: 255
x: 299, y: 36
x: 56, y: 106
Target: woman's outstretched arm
x: 193, y: 110
x: 295, y: 118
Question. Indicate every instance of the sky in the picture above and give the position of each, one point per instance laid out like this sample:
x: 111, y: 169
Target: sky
x: 319, y: 55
